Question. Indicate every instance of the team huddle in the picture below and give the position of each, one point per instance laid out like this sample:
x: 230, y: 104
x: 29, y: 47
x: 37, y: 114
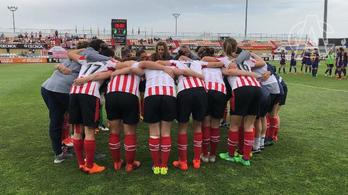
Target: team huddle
x: 163, y: 90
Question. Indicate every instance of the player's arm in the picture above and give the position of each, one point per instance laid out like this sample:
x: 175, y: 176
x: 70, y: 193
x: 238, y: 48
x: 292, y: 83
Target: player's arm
x: 259, y: 61
x: 209, y: 59
x: 74, y: 55
x: 96, y: 57
x: 163, y: 62
x: 137, y: 71
x: 156, y: 66
x: 98, y: 76
x: 121, y: 65
x: 126, y: 70
x: 191, y: 73
x: 233, y: 71
x: 61, y: 68
x: 215, y: 65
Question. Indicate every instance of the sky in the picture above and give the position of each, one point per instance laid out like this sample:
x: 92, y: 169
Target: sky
x: 216, y: 16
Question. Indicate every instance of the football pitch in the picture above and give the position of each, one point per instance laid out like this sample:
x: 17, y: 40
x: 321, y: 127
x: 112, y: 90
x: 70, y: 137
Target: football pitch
x: 311, y: 156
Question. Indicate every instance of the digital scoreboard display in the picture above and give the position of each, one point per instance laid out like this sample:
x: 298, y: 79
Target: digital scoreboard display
x: 119, y: 31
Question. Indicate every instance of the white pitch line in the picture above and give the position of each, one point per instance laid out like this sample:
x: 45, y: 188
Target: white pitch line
x: 323, y: 88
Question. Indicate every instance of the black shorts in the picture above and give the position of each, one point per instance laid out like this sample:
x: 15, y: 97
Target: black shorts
x: 274, y: 99
x: 330, y: 65
x: 191, y: 101
x: 216, y: 104
x: 84, y: 109
x: 265, y: 102
x: 122, y: 106
x: 159, y: 108
x: 228, y: 89
x: 246, y: 101
x: 142, y: 85
x: 283, y: 97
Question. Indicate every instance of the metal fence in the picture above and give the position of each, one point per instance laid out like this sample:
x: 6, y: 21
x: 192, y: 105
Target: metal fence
x: 141, y: 34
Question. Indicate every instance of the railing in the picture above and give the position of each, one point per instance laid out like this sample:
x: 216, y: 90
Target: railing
x: 133, y: 34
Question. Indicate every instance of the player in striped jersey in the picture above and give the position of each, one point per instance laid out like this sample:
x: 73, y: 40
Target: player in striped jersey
x: 122, y: 105
x: 159, y: 112
x: 191, y: 100
x: 216, y: 94
x: 84, y: 107
x: 188, y: 79
x: 122, y: 109
x: 246, y: 99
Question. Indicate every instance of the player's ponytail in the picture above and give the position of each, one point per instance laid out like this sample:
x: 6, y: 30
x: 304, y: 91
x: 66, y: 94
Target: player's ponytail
x: 230, y: 47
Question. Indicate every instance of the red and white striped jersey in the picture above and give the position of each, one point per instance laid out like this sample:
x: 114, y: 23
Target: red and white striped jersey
x: 213, y: 79
x: 88, y: 68
x: 185, y: 82
x: 241, y: 81
x: 127, y: 83
x: 159, y: 82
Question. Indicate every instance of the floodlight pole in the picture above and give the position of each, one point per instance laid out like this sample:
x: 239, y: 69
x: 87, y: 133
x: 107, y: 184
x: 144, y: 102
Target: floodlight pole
x: 13, y: 9
x: 176, y: 16
x: 325, y: 20
x: 246, y: 19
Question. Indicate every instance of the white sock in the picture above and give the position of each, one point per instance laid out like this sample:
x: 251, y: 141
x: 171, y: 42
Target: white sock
x: 262, y: 142
x: 256, y: 144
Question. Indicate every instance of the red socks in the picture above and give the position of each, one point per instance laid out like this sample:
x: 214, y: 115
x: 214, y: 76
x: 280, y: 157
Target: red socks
x: 214, y: 140
x: 269, y: 132
x: 248, y: 144
x: 206, y: 140
x: 233, y: 138
x: 197, y: 145
x: 130, y: 142
x: 241, y: 140
x: 166, y: 144
x: 211, y: 136
x: 154, y: 145
x: 89, y: 146
x: 182, y: 147
x: 274, y: 125
x: 78, y: 148
x: 114, y: 147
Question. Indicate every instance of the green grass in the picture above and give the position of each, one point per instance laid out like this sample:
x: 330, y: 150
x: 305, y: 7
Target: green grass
x: 310, y: 158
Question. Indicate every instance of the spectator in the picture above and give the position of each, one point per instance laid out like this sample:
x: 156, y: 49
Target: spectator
x: 161, y: 53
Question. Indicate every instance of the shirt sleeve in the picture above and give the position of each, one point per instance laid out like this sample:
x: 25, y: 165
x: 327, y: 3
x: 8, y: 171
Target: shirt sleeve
x: 251, y: 62
x: 82, y: 60
x: 196, y: 66
x: 95, y: 57
x: 204, y: 64
x: 224, y: 60
x: 135, y: 65
x: 111, y: 65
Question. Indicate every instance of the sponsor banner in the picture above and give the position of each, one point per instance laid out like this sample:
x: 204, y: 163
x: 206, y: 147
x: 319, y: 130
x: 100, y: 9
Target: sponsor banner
x: 22, y: 46
x: 22, y: 60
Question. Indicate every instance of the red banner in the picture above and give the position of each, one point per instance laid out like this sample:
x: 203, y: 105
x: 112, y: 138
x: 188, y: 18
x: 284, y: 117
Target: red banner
x: 22, y: 60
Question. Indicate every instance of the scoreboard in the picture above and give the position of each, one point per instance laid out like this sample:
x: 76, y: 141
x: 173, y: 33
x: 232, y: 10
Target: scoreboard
x: 119, y: 31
